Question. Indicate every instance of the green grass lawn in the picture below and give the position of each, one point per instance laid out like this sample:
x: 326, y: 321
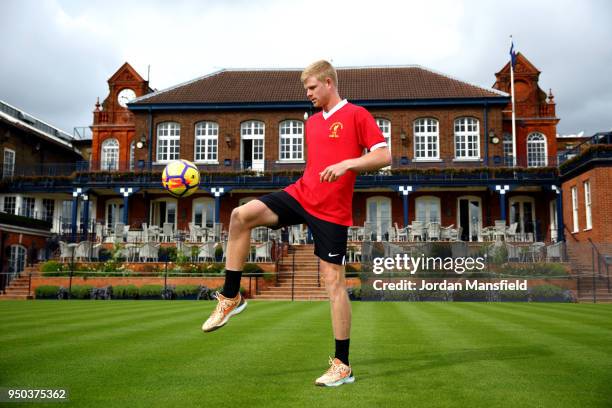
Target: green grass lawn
x: 153, y: 353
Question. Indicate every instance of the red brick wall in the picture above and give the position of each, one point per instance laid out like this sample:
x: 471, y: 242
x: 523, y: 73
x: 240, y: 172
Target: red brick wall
x: 401, y: 119
x: 601, y: 205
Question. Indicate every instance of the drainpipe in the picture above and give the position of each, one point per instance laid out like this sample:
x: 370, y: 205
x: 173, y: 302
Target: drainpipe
x: 150, y: 139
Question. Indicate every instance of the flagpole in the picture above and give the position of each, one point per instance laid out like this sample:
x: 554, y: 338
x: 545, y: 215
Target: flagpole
x: 513, y: 111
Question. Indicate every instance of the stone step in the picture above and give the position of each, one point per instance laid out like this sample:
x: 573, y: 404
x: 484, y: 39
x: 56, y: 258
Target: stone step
x: 16, y: 297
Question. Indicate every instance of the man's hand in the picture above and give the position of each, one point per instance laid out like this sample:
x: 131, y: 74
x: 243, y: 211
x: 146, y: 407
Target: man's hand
x: 333, y: 172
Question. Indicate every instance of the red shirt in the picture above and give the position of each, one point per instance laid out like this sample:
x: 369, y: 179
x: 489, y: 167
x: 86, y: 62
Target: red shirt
x: 341, y: 136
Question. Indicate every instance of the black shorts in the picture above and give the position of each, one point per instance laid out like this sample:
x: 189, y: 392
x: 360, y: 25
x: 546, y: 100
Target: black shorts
x: 329, y: 238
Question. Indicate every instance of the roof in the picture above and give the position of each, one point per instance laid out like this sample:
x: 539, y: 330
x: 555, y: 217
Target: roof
x: 25, y: 121
x: 284, y: 86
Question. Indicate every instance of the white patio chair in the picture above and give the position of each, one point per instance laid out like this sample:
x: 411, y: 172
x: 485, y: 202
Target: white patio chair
x: 514, y: 253
x: 188, y: 250
x: 263, y: 252
x: 401, y: 233
x: 82, y: 252
x: 148, y: 251
x: 416, y: 230
x: 206, y: 252
x: 66, y: 251
x: 554, y: 252
x: 499, y: 230
x: 433, y: 231
x: 118, y: 232
x: 511, y: 231
x: 168, y: 231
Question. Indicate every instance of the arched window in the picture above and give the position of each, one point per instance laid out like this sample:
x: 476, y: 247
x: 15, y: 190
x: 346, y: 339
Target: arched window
x: 291, y: 142
x: 467, y: 138
x: 426, y: 139
x: 168, y: 141
x: 536, y: 150
x: 110, y: 154
x: 206, y: 142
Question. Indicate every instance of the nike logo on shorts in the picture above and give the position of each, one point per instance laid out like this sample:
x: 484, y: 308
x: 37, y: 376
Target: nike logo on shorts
x: 332, y: 255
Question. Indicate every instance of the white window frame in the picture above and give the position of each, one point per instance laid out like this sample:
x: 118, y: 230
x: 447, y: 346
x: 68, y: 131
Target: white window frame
x: 155, y: 216
x: 291, y: 137
x: 380, y: 224
x: 8, y: 164
x: 206, y: 146
x: 507, y: 149
x: 254, y: 130
x: 14, y: 200
x: 132, y: 154
x: 587, y: 205
x: 426, y: 139
x: 30, y: 211
x: 537, y: 150
x: 109, y: 154
x: 18, y: 258
x: 208, y: 211
x: 429, y: 202
x: 47, y: 215
x: 467, y: 138
x: 168, y: 142
x: 575, y: 222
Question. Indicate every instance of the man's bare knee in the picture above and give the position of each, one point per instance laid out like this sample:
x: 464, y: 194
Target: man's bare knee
x: 251, y: 215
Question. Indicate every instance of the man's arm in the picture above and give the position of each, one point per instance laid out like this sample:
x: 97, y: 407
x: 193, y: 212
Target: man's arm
x: 375, y: 160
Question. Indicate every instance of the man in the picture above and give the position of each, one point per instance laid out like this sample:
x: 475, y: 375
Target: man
x: 321, y: 198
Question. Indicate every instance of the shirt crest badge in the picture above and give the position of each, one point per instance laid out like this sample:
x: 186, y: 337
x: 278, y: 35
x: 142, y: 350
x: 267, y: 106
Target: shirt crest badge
x: 334, y: 129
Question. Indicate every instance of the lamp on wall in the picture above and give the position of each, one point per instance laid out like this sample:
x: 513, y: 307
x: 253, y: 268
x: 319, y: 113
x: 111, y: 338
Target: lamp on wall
x: 493, y: 137
x: 403, y: 135
x: 141, y: 143
x: 228, y: 141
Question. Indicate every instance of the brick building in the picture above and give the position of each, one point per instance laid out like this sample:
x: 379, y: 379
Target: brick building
x: 452, y: 154
x: 33, y: 152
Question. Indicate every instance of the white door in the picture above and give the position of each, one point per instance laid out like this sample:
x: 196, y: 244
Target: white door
x: 469, y: 218
x: 522, y: 211
x: 252, y: 135
x: 379, y: 216
x: 553, y: 220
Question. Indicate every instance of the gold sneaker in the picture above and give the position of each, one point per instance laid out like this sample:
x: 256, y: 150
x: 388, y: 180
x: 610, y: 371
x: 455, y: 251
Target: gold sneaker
x: 338, y: 374
x: 226, y: 308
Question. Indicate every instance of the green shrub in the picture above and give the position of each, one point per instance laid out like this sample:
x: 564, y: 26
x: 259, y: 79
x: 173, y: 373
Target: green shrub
x: 169, y: 252
x: 49, y: 268
x: 547, y: 293
x: 218, y: 252
x: 81, y: 291
x: 46, y: 292
x: 252, y: 268
x: 125, y: 292
x: 513, y: 295
x: 535, y: 270
x: 150, y: 291
x: 186, y: 290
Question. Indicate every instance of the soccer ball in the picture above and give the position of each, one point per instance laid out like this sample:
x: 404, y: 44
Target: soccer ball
x: 181, y: 178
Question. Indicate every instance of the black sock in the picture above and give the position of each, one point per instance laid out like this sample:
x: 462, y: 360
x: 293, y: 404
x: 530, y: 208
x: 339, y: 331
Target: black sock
x: 342, y: 350
x: 231, y: 287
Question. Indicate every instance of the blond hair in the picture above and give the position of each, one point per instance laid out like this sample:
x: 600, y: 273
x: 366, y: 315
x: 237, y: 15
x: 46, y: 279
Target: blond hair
x: 320, y: 70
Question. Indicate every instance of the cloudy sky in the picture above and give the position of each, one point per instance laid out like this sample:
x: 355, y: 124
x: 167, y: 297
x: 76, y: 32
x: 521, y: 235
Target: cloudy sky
x: 56, y: 55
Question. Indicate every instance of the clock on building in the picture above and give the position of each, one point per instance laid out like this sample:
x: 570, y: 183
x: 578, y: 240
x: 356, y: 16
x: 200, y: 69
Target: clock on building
x: 125, y: 95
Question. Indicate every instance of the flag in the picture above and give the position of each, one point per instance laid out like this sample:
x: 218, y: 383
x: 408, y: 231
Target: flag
x: 512, y: 54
